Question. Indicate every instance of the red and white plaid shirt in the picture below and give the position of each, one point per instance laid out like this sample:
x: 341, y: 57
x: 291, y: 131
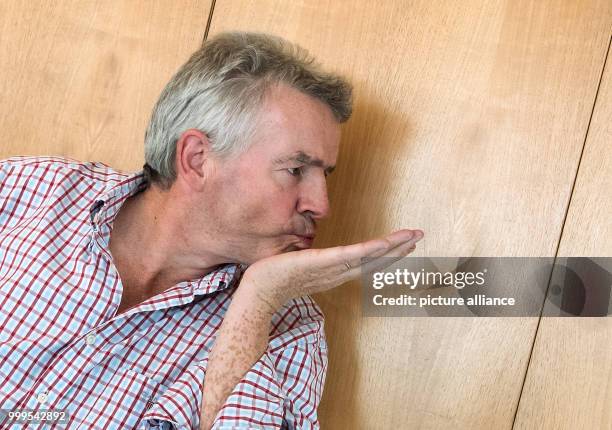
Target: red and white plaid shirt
x: 63, y: 348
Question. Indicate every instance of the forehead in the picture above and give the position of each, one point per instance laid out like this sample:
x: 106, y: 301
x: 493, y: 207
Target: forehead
x: 292, y: 124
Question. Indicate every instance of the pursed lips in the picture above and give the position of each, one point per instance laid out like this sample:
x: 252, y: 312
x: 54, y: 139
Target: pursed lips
x: 306, y: 239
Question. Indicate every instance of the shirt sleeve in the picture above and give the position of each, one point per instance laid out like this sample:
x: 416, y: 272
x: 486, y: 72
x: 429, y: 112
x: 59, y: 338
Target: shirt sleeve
x: 281, y: 391
x: 29, y: 183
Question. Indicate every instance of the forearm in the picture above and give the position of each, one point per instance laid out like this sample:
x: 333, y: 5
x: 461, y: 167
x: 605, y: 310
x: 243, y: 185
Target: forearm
x: 241, y: 341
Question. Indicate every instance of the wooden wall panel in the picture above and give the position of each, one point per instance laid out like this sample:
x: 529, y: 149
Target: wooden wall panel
x: 80, y: 78
x: 469, y: 122
x: 569, y: 381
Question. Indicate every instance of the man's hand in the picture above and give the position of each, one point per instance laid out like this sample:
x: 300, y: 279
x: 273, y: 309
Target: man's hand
x: 282, y: 277
x: 268, y: 284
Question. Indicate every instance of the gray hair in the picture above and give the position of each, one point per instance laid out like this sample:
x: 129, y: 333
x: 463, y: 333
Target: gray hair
x: 220, y: 89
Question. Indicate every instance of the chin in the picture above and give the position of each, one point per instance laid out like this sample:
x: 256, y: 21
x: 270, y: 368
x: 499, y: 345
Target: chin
x: 270, y: 252
x: 287, y: 248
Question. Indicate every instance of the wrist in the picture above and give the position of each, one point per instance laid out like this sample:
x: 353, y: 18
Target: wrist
x: 257, y: 296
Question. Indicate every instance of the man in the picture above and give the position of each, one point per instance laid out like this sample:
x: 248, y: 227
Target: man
x: 178, y: 296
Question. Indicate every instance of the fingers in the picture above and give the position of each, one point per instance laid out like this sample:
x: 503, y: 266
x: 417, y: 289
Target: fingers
x: 380, y: 246
x: 372, y: 264
x: 398, y: 245
x: 399, y: 237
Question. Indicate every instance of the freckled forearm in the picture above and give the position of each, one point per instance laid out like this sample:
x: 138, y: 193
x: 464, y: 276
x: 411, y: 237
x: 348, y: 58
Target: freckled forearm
x: 241, y: 341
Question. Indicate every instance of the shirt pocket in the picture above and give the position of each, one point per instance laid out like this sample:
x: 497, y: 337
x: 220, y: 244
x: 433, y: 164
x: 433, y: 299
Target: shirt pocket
x: 119, y: 401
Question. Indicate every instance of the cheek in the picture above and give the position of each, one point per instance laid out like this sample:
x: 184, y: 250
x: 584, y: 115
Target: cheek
x: 272, y: 214
x: 257, y: 201
x: 267, y: 214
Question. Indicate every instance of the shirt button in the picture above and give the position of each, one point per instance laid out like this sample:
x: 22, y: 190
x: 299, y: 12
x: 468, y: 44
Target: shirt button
x: 90, y: 339
x: 42, y: 397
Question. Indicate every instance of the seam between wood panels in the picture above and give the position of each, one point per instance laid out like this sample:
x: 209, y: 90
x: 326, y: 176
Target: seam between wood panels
x: 210, y: 15
x: 603, y: 68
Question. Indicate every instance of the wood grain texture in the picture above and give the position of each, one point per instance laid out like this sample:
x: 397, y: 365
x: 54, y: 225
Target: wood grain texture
x: 469, y: 122
x: 80, y: 78
x: 569, y: 381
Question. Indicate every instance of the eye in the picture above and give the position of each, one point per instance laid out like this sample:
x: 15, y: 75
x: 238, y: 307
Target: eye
x: 295, y: 171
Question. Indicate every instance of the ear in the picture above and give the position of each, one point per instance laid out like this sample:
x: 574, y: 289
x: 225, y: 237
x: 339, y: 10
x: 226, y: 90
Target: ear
x: 193, y: 161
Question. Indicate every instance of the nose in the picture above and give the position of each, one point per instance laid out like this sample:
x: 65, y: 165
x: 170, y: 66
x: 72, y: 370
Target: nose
x: 313, y: 199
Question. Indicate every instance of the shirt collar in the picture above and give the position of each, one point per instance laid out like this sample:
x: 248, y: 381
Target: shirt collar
x: 106, y: 206
x: 219, y: 279
x: 116, y: 191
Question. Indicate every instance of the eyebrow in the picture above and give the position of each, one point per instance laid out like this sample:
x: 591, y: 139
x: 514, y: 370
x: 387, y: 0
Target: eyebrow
x: 302, y: 157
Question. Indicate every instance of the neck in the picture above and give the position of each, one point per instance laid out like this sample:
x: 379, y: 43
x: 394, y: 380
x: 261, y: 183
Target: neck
x: 152, y: 246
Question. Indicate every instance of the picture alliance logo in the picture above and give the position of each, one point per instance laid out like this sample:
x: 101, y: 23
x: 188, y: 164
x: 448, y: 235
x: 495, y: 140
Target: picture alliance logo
x: 413, y: 280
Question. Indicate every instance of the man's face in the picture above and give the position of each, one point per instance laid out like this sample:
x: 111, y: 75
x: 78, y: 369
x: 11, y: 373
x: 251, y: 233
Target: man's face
x: 268, y: 199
